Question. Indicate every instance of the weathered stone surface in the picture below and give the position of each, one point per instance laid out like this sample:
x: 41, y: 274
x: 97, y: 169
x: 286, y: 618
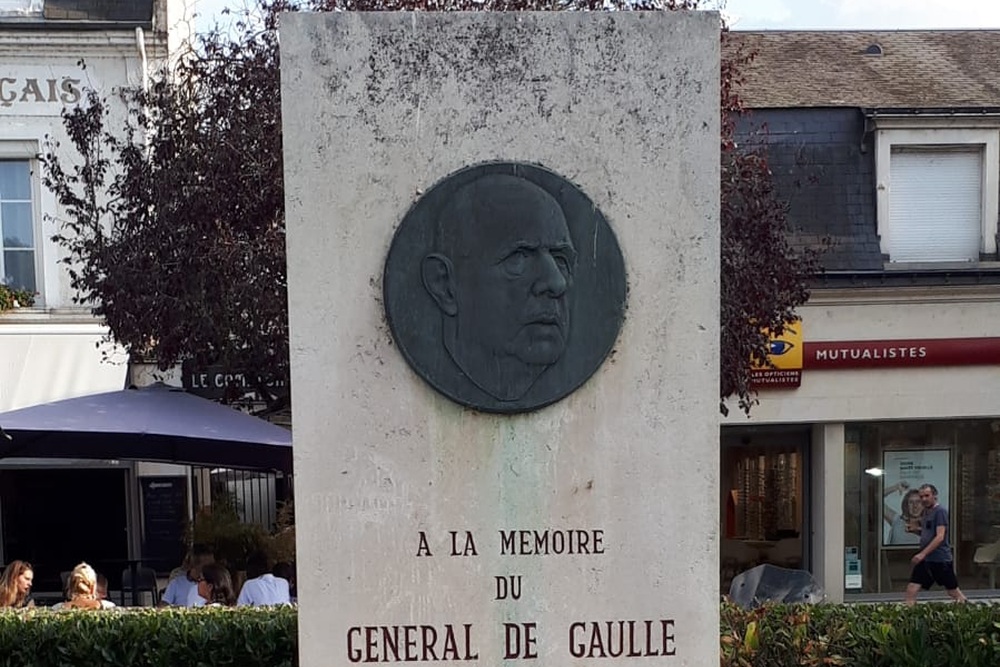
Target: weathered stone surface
x: 429, y: 531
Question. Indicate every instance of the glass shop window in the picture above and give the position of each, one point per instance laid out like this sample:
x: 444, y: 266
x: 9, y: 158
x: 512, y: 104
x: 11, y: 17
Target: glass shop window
x: 885, y: 464
x: 763, y: 508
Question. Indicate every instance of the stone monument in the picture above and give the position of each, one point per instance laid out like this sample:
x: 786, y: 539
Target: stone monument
x: 503, y: 295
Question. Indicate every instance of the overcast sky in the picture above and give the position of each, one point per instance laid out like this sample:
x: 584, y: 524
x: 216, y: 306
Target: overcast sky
x: 803, y: 14
x: 861, y: 14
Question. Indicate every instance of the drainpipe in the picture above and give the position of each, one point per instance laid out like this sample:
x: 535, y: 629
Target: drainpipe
x: 140, y: 43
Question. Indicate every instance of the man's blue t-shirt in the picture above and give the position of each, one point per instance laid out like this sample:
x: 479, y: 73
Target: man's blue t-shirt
x: 929, y: 522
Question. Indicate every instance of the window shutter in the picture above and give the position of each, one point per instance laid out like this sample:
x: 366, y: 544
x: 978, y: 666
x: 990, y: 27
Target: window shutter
x: 935, y: 205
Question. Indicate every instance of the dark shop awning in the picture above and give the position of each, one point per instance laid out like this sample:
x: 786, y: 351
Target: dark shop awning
x: 156, y: 423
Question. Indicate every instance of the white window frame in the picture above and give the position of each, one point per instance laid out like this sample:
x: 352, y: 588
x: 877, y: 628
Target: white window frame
x: 27, y: 149
x: 961, y: 133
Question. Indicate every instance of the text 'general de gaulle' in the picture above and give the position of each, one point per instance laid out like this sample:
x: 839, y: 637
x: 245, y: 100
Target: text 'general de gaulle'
x: 457, y: 643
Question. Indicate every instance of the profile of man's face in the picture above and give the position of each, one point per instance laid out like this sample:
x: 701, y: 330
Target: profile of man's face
x: 511, y: 262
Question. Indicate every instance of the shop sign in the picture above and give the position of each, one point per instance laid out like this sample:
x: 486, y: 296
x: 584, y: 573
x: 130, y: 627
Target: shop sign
x: 785, y: 356
x: 902, y: 353
x: 215, y: 381
x: 29, y: 89
x: 790, y: 355
x: 42, y: 89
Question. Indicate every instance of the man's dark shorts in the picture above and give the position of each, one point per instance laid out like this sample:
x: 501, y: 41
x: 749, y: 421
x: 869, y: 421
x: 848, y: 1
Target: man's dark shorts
x: 927, y: 574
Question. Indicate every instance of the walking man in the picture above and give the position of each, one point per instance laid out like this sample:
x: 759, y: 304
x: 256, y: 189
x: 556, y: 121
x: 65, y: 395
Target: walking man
x: 933, y: 563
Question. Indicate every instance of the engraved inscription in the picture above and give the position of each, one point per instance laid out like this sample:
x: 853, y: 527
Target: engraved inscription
x: 456, y: 642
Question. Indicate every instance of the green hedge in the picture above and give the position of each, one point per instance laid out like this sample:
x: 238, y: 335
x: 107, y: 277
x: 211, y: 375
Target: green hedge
x: 860, y: 635
x: 884, y: 635
x: 244, y: 637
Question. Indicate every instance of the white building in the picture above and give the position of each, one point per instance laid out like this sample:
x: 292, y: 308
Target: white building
x: 55, y: 513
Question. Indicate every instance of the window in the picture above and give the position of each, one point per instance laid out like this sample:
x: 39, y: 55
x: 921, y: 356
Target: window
x: 934, y: 205
x: 763, y: 512
x: 885, y: 463
x: 938, y: 191
x: 17, y: 240
x: 20, y: 7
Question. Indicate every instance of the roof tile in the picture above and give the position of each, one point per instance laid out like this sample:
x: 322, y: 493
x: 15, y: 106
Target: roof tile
x: 925, y: 69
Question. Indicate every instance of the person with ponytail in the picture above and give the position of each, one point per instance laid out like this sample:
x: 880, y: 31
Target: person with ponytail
x: 81, y: 590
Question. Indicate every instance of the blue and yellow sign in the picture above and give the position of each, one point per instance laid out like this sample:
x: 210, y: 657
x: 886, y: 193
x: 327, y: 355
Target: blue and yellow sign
x: 786, y: 356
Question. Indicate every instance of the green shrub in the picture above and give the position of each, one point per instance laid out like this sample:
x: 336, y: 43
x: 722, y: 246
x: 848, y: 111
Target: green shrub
x: 883, y: 635
x: 15, y: 298
x: 233, y: 541
x: 244, y: 637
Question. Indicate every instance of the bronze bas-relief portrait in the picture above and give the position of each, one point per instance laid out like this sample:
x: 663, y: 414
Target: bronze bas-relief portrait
x: 500, y: 274
x: 504, y: 287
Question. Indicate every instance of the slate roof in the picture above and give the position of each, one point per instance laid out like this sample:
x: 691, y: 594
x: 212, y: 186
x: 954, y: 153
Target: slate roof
x: 822, y: 165
x: 68, y: 15
x: 111, y: 11
x: 926, y: 69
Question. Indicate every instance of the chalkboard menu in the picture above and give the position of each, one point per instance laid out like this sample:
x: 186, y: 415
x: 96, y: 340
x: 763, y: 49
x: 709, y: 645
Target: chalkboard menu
x: 164, y: 514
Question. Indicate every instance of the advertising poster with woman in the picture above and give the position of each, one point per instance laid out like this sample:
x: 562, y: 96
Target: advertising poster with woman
x: 904, y: 471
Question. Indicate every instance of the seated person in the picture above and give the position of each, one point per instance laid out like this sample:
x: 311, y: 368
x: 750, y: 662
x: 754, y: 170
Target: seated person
x: 81, y: 590
x: 182, y: 589
x: 102, y: 591
x: 15, y: 585
x: 263, y: 588
x: 286, y: 571
x: 215, y: 586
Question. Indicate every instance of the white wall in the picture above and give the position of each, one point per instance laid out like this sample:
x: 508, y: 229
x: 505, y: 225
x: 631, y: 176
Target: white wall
x: 25, y: 122
x: 40, y: 75
x: 51, y: 351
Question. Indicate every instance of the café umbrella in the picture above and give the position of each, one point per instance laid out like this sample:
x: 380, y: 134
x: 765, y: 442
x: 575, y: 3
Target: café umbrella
x: 155, y: 423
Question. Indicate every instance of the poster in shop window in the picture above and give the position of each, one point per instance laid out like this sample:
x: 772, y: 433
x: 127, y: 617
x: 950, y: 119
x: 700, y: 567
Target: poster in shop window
x: 904, y: 473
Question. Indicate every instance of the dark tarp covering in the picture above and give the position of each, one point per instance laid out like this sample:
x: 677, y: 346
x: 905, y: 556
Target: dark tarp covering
x: 770, y: 583
x: 156, y: 423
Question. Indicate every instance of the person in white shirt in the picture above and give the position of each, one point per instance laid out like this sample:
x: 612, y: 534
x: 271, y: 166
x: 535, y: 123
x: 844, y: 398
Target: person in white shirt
x: 182, y: 589
x: 263, y: 588
x: 286, y: 571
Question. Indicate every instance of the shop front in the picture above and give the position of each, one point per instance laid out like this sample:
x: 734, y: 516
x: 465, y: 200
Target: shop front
x: 885, y: 464
x: 895, y: 389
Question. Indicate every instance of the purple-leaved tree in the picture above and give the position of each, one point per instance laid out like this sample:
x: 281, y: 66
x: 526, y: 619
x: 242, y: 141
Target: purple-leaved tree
x: 174, y: 223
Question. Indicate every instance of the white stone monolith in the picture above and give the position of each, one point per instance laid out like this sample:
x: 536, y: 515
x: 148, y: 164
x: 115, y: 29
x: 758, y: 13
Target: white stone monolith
x: 584, y: 532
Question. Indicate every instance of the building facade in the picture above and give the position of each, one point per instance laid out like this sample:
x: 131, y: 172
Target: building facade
x: 55, y: 513
x: 885, y: 145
